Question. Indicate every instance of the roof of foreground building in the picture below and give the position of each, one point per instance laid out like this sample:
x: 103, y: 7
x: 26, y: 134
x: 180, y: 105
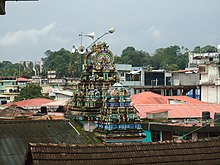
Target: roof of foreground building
x: 205, y: 151
x: 16, y: 135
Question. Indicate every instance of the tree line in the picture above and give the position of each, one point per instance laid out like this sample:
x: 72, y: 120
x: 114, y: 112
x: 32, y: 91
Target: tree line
x: 67, y: 64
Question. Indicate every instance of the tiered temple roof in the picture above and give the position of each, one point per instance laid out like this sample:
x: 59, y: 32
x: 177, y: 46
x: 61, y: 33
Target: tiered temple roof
x: 100, y: 98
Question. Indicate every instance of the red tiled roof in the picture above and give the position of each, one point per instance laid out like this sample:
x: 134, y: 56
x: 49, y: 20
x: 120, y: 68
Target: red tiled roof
x: 147, y: 98
x: 153, y: 98
x: 186, y: 99
x: 22, y: 79
x: 37, y: 102
x: 178, y: 110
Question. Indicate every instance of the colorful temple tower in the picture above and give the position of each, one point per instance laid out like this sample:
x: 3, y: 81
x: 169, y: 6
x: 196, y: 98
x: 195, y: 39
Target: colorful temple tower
x: 117, y: 121
x: 98, y: 75
x: 100, y: 98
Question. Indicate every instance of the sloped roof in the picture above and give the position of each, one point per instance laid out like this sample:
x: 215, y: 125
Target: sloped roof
x: 153, y: 98
x: 13, y: 111
x: 177, y: 152
x: 15, y: 136
x: 178, y: 110
x: 63, y: 92
x: 186, y: 99
x: 37, y: 102
x: 57, y: 103
x: 22, y: 79
x: 147, y: 98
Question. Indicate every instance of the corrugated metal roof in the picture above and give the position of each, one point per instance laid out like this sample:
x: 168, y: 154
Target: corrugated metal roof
x: 15, y: 136
x: 168, y: 152
x: 178, y: 110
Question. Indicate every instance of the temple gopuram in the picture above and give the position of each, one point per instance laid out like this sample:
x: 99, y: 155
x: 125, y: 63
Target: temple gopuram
x: 101, y: 100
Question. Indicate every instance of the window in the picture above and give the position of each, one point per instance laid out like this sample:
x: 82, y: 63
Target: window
x: 155, y: 135
x: 105, y: 75
x: 202, y: 69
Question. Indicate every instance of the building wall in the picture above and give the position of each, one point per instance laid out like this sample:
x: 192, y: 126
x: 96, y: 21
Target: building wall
x: 210, y: 82
x: 185, y: 78
x: 210, y: 94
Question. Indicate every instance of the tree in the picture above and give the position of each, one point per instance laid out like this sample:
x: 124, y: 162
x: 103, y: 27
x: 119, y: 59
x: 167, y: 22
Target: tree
x: 133, y: 57
x: 169, y: 58
x: 171, y: 67
x: 30, y: 91
x: 65, y: 63
x: 205, y: 49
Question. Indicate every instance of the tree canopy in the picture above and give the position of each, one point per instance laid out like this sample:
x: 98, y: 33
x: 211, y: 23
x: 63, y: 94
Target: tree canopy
x: 205, y: 49
x: 134, y: 57
x: 67, y: 64
x: 171, y: 58
x: 30, y: 91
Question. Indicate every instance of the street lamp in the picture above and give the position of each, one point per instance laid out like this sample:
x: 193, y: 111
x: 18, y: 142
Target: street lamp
x: 81, y: 49
x: 110, y: 31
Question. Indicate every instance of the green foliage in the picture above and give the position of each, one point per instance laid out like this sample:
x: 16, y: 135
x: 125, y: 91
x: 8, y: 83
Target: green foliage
x: 133, y: 57
x: 30, y: 91
x: 205, y: 49
x: 171, y: 58
x: 65, y: 63
x: 8, y: 69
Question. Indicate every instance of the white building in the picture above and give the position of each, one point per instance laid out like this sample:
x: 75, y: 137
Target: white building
x: 209, y: 69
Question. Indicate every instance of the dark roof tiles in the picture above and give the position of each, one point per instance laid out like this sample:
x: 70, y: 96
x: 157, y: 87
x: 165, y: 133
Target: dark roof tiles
x: 15, y: 136
x: 175, y: 152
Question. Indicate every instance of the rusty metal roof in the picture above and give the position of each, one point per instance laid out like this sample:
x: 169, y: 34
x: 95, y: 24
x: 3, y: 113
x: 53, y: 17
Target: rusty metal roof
x: 205, y: 151
x: 15, y: 136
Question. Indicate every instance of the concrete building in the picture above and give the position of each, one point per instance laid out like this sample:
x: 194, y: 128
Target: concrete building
x: 140, y: 79
x: 209, y: 69
x: 8, y: 88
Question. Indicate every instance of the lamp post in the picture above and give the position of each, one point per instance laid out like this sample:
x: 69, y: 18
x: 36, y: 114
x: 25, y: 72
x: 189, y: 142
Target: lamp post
x: 110, y: 31
x: 81, y: 49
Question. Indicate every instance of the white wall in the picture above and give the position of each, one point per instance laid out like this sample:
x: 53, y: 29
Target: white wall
x: 210, y: 94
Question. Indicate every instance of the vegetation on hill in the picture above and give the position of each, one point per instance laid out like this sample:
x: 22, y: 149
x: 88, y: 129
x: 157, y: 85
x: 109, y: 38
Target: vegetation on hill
x: 67, y: 64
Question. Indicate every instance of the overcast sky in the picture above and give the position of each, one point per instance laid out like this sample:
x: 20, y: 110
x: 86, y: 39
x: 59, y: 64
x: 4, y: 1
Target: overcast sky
x: 30, y: 28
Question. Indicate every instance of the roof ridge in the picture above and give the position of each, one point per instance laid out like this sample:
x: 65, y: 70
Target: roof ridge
x: 178, y: 141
